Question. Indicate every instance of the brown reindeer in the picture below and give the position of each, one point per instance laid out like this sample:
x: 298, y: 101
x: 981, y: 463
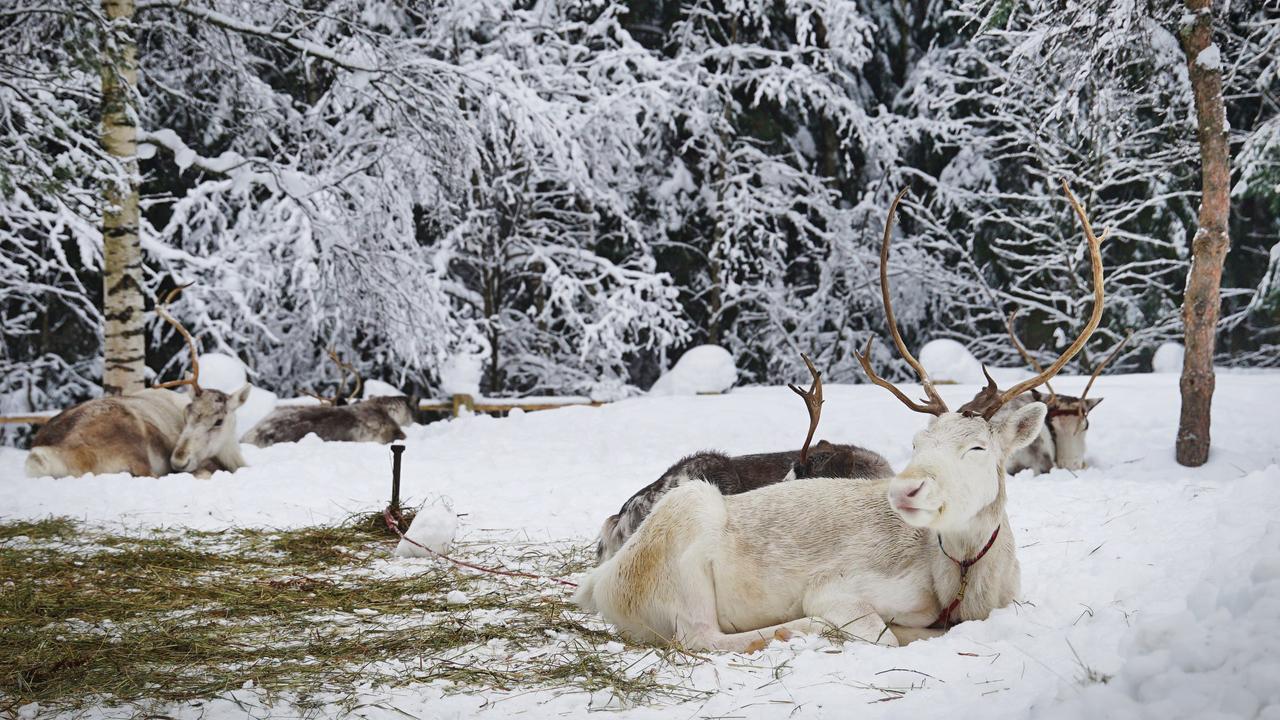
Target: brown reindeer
x: 377, y: 419
x: 149, y: 433
x: 1061, y: 442
x: 742, y: 473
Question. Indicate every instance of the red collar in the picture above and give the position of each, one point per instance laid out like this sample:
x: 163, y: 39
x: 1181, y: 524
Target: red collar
x: 944, y: 618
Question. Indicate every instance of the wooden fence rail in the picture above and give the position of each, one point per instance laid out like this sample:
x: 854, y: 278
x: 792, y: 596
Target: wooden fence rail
x: 31, y: 418
x: 458, y: 403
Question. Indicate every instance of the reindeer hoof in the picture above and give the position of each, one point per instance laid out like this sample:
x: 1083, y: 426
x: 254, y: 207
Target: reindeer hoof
x: 756, y: 646
x: 782, y: 634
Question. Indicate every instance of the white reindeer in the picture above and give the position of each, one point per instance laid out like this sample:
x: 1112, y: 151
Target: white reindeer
x: 1061, y: 442
x: 927, y: 548
x: 152, y: 432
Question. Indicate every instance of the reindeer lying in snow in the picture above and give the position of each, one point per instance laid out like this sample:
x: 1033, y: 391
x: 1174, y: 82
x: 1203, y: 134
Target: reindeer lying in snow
x: 149, y: 433
x: 1061, y: 442
x: 734, y: 475
x: 927, y: 548
x: 373, y: 420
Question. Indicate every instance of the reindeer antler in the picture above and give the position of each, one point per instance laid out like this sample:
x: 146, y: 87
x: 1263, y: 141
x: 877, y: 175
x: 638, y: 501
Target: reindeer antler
x: 1095, y: 261
x: 812, y: 401
x: 341, y: 396
x: 1098, y: 370
x: 324, y: 400
x: 163, y: 311
x: 935, y: 405
x: 346, y: 367
x: 1017, y: 344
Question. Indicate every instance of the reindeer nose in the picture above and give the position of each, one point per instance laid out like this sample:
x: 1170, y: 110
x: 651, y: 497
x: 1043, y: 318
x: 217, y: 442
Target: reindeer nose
x: 913, y: 492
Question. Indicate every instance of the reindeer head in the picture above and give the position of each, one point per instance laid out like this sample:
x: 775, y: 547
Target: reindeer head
x: 209, y: 425
x: 209, y: 420
x: 957, y: 463
x: 1068, y: 422
x: 1068, y: 417
x: 398, y: 407
x: 956, y: 466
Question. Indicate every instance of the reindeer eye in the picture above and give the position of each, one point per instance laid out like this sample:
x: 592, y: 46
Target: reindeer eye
x: 218, y: 424
x: 975, y: 447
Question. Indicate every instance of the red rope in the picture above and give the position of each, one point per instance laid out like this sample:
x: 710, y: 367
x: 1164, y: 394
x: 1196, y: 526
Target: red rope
x: 944, y: 618
x: 390, y: 519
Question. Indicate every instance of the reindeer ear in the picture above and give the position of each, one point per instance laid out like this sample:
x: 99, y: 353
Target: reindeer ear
x: 240, y: 396
x: 1092, y: 403
x: 1016, y: 430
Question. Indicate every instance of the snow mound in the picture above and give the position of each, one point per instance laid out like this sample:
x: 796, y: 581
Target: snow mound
x: 1168, y: 358
x: 460, y: 375
x: 703, y: 369
x: 1219, y: 656
x: 435, y: 526
x: 949, y: 361
x: 377, y: 388
x: 259, y: 405
x: 219, y: 371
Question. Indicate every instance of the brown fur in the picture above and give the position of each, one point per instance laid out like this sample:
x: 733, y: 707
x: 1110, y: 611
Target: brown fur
x: 373, y: 420
x: 139, y: 433
x: 740, y: 474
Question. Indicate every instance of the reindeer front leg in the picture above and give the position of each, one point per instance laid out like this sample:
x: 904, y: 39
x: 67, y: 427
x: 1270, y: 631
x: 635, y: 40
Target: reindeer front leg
x: 846, y: 615
x: 908, y: 635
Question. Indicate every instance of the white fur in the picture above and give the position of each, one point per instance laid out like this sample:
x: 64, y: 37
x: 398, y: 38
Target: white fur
x: 150, y: 432
x: 713, y: 572
x: 1062, y: 440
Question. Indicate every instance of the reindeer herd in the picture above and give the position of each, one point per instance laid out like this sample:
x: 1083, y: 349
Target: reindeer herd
x: 720, y: 552
x: 729, y: 553
x: 159, y: 431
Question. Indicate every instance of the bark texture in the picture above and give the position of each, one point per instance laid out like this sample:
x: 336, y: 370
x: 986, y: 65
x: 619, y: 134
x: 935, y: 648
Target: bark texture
x: 124, y: 349
x: 1201, y: 306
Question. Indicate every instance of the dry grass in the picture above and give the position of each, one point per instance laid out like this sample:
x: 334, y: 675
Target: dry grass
x: 89, y: 617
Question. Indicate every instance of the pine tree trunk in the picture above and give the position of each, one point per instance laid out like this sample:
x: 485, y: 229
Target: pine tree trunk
x: 1209, y: 249
x: 124, y: 344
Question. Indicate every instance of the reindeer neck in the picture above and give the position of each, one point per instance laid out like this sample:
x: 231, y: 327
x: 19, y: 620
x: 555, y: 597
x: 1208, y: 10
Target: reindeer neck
x: 968, y: 542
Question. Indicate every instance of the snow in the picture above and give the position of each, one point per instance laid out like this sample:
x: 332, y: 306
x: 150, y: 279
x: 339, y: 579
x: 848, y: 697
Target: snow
x: 1214, y: 653
x: 377, y: 388
x: 435, y: 526
x: 702, y: 369
x: 1168, y: 358
x: 1210, y: 58
x: 948, y: 361
x: 460, y: 375
x: 259, y: 405
x: 1164, y: 580
x: 222, y: 372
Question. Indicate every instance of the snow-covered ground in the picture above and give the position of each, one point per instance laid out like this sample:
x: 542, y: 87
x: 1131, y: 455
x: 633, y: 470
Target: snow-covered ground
x: 1163, y: 580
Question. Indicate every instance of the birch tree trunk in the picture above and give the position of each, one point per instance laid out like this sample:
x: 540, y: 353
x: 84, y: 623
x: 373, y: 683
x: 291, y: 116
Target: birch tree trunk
x: 124, y: 345
x: 1202, y: 303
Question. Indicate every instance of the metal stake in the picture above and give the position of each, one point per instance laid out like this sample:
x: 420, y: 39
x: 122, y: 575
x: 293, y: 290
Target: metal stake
x: 396, y: 452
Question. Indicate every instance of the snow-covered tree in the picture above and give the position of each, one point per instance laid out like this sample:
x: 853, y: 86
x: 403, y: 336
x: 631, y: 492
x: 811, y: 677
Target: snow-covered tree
x: 1015, y: 113
x: 52, y: 170
x: 578, y: 190
x: 545, y: 264
x: 775, y: 135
